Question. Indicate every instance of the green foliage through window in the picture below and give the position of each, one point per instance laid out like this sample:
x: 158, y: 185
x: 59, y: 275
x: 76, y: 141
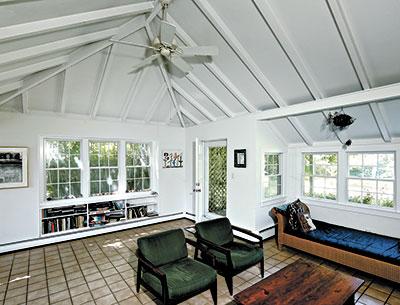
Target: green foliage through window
x: 272, y: 176
x: 217, y: 174
x: 138, y: 167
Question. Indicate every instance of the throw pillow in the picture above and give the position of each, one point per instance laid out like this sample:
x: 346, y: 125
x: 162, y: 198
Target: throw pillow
x: 293, y: 209
x: 305, y: 222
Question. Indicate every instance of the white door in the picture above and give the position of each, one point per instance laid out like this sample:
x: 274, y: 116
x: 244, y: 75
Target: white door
x: 198, y: 179
x: 215, y: 179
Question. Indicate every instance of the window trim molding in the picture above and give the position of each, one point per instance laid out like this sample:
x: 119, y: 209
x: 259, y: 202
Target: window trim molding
x: 85, y: 171
x: 281, y: 170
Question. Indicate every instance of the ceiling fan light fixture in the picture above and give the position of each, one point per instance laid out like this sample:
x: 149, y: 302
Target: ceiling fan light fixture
x: 165, y: 52
x: 339, y: 120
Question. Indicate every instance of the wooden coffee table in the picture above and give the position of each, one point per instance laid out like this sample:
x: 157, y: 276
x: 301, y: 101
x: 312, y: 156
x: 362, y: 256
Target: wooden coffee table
x: 302, y: 283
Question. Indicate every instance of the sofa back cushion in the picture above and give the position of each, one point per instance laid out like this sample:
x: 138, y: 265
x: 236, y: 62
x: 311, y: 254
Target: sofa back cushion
x: 217, y: 231
x: 163, y: 248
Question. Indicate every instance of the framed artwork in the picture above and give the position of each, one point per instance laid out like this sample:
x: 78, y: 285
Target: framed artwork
x: 240, y: 158
x: 13, y: 167
x: 172, y: 159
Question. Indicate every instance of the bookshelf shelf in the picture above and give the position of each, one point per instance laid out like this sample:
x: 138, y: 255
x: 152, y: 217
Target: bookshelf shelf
x: 61, y: 218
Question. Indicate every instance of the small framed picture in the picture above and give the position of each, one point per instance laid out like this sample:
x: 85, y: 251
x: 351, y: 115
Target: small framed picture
x: 240, y: 157
x: 13, y: 167
x: 172, y: 159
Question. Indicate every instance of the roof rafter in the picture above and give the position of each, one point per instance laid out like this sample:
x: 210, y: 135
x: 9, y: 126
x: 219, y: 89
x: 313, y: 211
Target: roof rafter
x: 214, y: 69
x: 79, y: 55
x: 190, y: 116
x: 248, y: 61
x: 10, y: 87
x: 51, y: 47
x: 349, y: 42
x: 156, y: 102
x: 58, y: 23
x: 132, y: 94
x: 191, y: 100
x: 61, y: 92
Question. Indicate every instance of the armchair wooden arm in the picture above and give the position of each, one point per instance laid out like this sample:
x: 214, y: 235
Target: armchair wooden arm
x: 217, y: 248
x: 249, y: 233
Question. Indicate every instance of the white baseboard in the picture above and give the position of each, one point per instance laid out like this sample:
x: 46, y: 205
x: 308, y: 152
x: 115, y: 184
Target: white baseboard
x: 77, y: 235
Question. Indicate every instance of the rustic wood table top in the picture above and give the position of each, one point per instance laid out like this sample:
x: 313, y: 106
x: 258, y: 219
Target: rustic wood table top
x: 302, y: 283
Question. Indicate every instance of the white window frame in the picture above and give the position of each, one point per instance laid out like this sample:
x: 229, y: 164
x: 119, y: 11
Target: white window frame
x: 281, y: 171
x: 151, y: 165
x: 85, y: 170
x: 348, y: 177
x: 337, y: 174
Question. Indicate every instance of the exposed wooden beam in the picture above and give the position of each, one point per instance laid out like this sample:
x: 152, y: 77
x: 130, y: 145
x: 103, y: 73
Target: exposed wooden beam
x: 214, y: 69
x: 246, y: 58
x: 191, y: 100
x: 379, y: 94
x: 10, y: 87
x: 154, y: 105
x: 25, y: 102
x: 52, y: 47
x: 104, y: 76
x: 81, y: 54
x: 58, y: 23
x: 210, y: 95
x: 132, y: 93
x: 32, y: 68
x: 190, y: 116
x: 167, y: 80
x: 344, y: 29
x: 380, y: 121
x: 157, y: 8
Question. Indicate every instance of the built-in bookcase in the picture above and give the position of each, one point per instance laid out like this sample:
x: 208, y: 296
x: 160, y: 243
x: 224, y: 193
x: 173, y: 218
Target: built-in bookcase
x: 62, y: 218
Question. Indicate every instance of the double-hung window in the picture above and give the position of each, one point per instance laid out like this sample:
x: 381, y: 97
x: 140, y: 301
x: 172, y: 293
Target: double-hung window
x: 138, y: 162
x: 103, y: 158
x: 371, y: 178
x: 272, y: 175
x: 63, y: 169
x: 320, y: 175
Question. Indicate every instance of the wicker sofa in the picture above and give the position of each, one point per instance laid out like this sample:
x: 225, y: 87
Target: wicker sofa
x: 387, y: 268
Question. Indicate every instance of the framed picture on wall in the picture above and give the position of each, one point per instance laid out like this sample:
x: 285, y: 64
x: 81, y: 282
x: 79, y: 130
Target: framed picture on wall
x: 240, y: 158
x: 172, y: 159
x: 13, y: 167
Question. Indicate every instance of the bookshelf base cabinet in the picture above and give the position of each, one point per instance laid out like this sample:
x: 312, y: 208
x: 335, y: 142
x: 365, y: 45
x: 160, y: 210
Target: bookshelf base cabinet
x: 57, y: 219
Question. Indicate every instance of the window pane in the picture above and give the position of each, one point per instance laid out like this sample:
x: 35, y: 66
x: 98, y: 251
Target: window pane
x: 385, y: 172
x: 307, y: 186
x: 355, y: 171
x: 368, y: 199
x: 355, y: 159
x: 62, y: 160
x: 370, y: 159
x: 138, y: 166
x: 355, y: 197
x: 369, y: 186
x: 386, y: 201
x: 386, y: 187
x: 354, y: 185
x: 272, y: 180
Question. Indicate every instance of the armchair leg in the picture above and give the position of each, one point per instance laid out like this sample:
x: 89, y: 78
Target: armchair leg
x: 229, y: 283
x: 138, y: 277
x: 262, y: 268
x: 214, y: 292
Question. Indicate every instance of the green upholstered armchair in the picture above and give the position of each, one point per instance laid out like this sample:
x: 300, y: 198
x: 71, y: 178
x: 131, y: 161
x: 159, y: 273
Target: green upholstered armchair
x: 165, y: 269
x: 227, y: 256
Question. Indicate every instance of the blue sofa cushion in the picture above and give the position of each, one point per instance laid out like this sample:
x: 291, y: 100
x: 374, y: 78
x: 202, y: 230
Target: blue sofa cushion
x: 368, y: 244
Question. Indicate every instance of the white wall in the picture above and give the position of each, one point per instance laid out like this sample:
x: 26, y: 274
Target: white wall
x: 380, y: 221
x: 19, y: 208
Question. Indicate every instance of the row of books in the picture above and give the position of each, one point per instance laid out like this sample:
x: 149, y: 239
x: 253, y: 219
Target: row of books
x: 55, y: 212
x: 137, y: 212
x: 63, y: 224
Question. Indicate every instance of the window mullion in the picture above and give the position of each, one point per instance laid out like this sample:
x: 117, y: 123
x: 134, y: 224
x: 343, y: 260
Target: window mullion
x: 122, y: 186
x: 85, y: 172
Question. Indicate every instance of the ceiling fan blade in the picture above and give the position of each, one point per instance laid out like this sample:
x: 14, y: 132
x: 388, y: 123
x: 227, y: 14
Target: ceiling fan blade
x: 182, y: 65
x: 145, y: 62
x: 167, y: 32
x: 199, y: 51
x: 128, y: 43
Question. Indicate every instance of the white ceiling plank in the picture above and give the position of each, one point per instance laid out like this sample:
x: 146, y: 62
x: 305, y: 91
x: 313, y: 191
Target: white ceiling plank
x: 25, y: 102
x: 379, y: 94
x: 51, y: 47
x: 354, y: 54
x: 190, y: 99
x: 380, y: 121
x: 132, y: 94
x: 277, y: 133
x: 32, y: 68
x: 214, y: 69
x: 246, y: 58
x: 154, y: 105
x: 105, y: 73
x: 62, y: 92
x: 190, y: 116
x: 77, y: 56
x: 58, y: 23
x: 210, y: 95
x: 301, y: 130
x: 10, y: 87
x: 167, y: 79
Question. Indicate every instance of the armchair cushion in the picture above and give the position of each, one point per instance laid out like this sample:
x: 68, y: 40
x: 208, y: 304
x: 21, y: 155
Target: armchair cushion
x: 183, y: 277
x: 242, y: 255
x: 163, y: 248
x: 218, y: 231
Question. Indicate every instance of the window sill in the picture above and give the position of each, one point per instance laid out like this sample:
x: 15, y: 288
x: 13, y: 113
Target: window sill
x: 273, y: 200
x: 93, y: 199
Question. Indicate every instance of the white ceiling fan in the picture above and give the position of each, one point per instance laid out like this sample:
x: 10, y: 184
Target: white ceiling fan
x: 165, y: 47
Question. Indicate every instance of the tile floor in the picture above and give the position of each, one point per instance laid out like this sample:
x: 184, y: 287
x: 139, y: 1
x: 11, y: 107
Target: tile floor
x: 101, y: 270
